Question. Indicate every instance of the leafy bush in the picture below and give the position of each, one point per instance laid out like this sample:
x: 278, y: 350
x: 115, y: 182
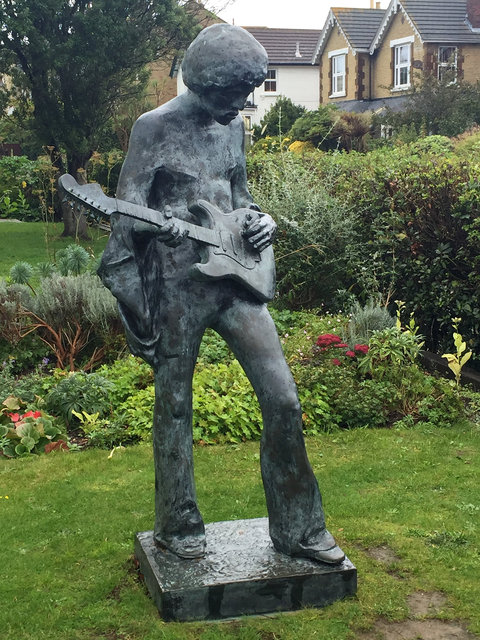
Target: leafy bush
x: 127, y: 375
x: 79, y: 392
x: 316, y: 127
x: 28, y: 432
x: 22, y: 188
x: 77, y: 318
x: 364, y: 320
x: 224, y: 405
x: 278, y: 119
x: 439, y: 107
x: 317, y: 246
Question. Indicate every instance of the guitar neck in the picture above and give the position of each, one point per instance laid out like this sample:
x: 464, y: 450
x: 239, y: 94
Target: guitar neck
x: 138, y: 212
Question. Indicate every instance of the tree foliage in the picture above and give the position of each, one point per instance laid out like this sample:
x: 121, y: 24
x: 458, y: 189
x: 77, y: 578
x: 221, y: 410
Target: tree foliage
x: 279, y: 118
x: 78, y: 60
x: 315, y: 126
x: 438, y: 107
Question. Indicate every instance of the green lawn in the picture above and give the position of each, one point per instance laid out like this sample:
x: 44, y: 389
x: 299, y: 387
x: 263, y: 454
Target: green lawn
x: 69, y: 520
x: 36, y: 242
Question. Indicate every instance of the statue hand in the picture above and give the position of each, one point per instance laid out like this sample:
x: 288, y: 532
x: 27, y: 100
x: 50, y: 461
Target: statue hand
x: 260, y: 231
x: 169, y: 232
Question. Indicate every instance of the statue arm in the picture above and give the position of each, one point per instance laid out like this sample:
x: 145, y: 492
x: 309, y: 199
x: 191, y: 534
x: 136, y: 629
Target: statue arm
x: 262, y: 229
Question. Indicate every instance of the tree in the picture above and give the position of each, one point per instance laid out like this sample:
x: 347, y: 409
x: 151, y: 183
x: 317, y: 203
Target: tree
x: 438, y: 107
x: 77, y: 61
x: 279, y: 118
x: 316, y: 127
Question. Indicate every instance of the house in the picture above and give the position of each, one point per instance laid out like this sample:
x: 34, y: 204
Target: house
x: 290, y: 71
x: 369, y: 57
x: 343, y: 54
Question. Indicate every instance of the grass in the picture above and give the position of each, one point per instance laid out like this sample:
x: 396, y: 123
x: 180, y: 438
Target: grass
x: 69, y: 520
x: 36, y: 242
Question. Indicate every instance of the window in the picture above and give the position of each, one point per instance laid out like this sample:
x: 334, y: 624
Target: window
x: 402, y: 66
x: 447, y: 63
x: 402, y: 61
x: 338, y: 69
x: 250, y: 100
x: 270, y: 85
x: 338, y: 75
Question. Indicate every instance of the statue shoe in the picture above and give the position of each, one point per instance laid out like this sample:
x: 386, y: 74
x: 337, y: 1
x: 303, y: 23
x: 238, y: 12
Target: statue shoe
x: 187, y: 547
x: 321, y: 548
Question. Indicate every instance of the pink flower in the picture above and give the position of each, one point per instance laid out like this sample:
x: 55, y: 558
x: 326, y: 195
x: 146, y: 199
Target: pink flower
x: 336, y: 362
x: 15, y: 417
x: 350, y: 354
x: 361, y: 348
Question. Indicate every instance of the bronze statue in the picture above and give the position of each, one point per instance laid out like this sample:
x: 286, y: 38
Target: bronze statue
x: 186, y: 166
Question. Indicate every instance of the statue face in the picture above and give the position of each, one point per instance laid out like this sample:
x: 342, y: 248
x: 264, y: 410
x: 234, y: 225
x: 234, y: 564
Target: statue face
x: 223, y: 104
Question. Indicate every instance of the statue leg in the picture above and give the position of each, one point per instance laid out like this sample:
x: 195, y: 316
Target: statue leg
x: 296, y: 518
x: 178, y: 523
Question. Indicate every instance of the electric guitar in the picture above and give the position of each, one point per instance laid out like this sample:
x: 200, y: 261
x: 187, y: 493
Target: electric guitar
x: 228, y: 252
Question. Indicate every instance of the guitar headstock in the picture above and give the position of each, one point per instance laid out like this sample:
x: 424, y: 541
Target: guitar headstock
x: 86, y: 196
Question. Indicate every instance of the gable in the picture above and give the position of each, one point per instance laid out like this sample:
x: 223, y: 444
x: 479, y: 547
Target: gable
x: 442, y: 21
x: 358, y: 27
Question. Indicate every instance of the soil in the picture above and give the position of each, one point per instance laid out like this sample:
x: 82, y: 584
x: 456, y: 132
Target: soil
x: 423, y: 606
x: 418, y: 630
x: 383, y: 554
x: 423, y: 603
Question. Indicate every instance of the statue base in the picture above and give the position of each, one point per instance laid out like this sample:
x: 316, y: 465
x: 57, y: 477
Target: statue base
x: 241, y: 574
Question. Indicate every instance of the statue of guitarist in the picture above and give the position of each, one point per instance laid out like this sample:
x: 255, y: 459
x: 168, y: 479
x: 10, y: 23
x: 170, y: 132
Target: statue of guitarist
x: 187, y: 150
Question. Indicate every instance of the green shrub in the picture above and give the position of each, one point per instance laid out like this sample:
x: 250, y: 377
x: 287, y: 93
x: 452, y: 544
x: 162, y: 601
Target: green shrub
x: 27, y: 432
x: 225, y: 407
x: 278, y: 119
x: 317, y: 246
x: 79, y: 392
x: 136, y: 412
x: 21, y: 183
x: 77, y: 317
x: 364, y: 320
x: 317, y: 127
x: 128, y: 375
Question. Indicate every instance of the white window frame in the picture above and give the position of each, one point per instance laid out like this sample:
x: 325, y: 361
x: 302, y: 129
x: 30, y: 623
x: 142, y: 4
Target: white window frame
x: 272, y: 80
x: 339, y: 78
x: 448, y: 65
x: 399, y: 45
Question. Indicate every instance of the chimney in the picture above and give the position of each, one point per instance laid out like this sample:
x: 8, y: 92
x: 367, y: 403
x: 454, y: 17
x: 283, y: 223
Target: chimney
x: 473, y: 13
x: 377, y: 5
x: 372, y: 4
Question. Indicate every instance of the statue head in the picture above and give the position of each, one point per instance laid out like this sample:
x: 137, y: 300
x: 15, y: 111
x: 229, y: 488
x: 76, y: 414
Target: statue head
x: 224, y: 57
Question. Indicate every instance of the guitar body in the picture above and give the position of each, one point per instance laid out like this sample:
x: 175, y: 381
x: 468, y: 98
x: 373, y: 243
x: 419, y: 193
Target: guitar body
x: 227, y: 253
x: 234, y: 258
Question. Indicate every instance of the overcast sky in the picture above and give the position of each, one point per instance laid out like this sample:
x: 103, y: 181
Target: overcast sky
x: 291, y: 14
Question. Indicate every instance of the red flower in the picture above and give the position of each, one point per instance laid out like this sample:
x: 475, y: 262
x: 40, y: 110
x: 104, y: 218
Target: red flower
x: 341, y: 344
x: 350, y: 354
x: 336, y: 362
x: 15, y: 417
x: 327, y: 339
x: 361, y: 348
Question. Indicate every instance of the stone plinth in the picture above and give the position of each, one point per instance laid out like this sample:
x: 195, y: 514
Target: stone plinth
x: 241, y: 574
